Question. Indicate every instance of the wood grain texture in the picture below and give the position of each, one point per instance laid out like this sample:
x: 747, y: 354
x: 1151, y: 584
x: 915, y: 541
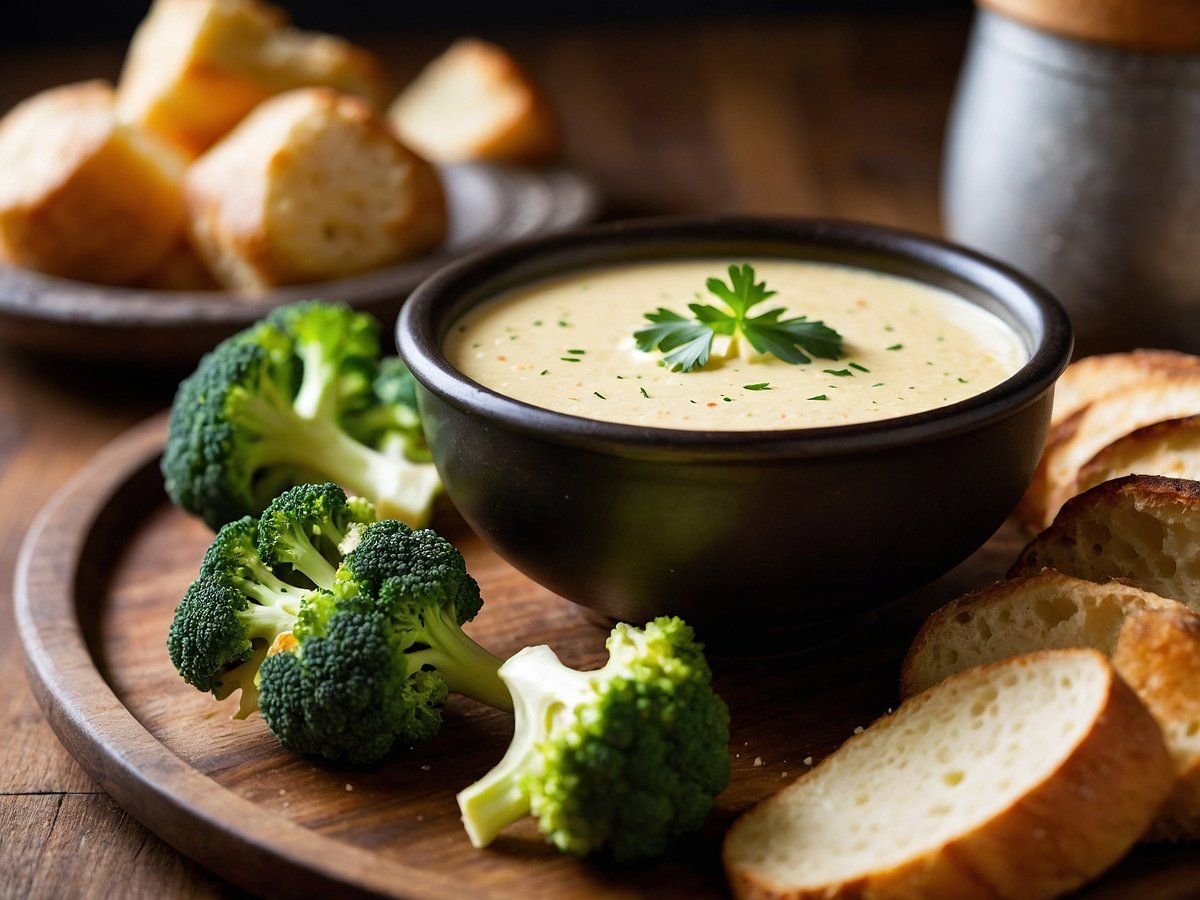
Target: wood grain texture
x: 97, y: 584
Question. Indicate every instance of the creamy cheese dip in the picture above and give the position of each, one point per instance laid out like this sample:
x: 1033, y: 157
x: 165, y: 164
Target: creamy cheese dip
x: 567, y: 344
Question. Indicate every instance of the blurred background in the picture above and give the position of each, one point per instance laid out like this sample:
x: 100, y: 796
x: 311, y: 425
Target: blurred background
x: 79, y: 20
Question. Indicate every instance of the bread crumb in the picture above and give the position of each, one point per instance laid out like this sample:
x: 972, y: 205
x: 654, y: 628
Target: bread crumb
x: 349, y: 787
x: 808, y: 760
x: 758, y: 761
x: 425, y: 768
x: 858, y: 730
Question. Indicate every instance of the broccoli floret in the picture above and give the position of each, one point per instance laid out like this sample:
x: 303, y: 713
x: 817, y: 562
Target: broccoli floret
x: 230, y: 615
x: 298, y: 397
x: 310, y: 528
x: 616, y: 760
x: 256, y: 581
x: 370, y: 665
x: 392, y: 420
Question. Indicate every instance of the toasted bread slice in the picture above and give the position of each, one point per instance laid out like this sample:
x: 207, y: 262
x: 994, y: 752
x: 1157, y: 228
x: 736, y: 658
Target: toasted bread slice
x: 311, y: 186
x: 195, y: 68
x: 1024, y: 778
x: 1159, y: 397
x: 1170, y: 448
x: 1141, y: 529
x: 475, y: 102
x: 1092, y: 377
x: 81, y: 195
x: 1046, y: 611
x: 1158, y: 655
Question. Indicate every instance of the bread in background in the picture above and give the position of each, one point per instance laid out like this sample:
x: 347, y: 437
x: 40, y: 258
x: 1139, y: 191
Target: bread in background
x: 195, y: 68
x: 475, y: 102
x: 1170, y: 448
x: 1025, y: 778
x: 82, y: 195
x: 181, y: 269
x: 311, y: 186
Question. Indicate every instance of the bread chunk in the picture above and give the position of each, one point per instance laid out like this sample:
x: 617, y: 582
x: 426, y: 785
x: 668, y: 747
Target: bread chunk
x: 195, y: 68
x: 311, y: 186
x: 475, y: 102
x: 1046, y: 611
x: 81, y: 195
x: 1141, y: 529
x: 1025, y: 778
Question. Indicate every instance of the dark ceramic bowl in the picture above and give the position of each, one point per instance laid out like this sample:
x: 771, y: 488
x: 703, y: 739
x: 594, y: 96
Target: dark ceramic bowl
x: 727, y: 529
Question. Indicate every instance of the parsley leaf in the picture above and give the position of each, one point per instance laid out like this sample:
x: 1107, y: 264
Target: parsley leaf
x: 687, y: 343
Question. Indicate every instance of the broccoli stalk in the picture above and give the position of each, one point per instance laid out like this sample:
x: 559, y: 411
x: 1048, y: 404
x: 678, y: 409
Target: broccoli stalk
x: 618, y: 760
x: 301, y: 396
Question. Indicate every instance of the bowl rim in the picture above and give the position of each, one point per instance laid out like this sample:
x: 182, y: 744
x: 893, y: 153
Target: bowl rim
x: 419, y: 338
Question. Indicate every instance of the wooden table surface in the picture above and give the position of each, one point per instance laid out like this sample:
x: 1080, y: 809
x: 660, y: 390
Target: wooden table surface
x: 833, y: 116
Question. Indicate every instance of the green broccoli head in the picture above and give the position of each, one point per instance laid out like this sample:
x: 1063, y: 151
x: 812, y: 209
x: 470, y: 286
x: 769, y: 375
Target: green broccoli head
x: 241, y: 603
x: 392, y: 419
x: 234, y: 609
x: 309, y: 528
x: 279, y: 404
x: 370, y: 664
x: 619, y: 760
x: 342, y: 690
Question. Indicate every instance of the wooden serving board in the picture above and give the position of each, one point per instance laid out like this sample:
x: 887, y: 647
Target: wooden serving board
x: 100, y: 573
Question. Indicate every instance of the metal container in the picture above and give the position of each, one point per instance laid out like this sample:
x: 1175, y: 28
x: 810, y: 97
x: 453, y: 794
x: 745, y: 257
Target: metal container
x: 1078, y: 161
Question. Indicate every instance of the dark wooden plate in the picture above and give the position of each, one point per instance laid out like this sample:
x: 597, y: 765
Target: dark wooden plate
x: 488, y: 204
x: 98, y: 578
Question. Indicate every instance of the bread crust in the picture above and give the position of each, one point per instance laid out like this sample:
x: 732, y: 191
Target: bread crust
x: 1158, y: 654
x: 1079, y: 819
x: 1170, y: 448
x: 1102, y: 534
x: 1020, y: 615
x: 1159, y: 397
x: 311, y: 186
x: 81, y: 195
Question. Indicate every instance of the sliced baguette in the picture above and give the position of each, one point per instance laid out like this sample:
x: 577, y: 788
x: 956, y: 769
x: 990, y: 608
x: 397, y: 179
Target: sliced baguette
x: 1141, y: 529
x: 1046, y: 611
x: 1025, y: 778
x: 476, y: 102
x: 1154, y: 644
x: 1158, y: 655
x: 1092, y: 377
x: 1170, y: 448
x: 1161, y: 396
x: 311, y: 186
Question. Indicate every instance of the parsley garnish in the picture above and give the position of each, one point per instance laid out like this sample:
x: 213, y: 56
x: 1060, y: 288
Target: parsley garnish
x: 760, y: 386
x: 686, y: 343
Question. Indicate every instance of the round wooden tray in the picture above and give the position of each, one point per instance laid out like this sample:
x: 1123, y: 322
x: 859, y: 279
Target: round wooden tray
x: 97, y: 582
x: 488, y: 204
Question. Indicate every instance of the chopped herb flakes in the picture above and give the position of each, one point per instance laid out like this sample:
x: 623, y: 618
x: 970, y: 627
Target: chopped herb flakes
x: 840, y: 373
x: 855, y: 365
x: 819, y: 397
x: 600, y: 395
x: 896, y: 347
x: 644, y: 394
x: 760, y: 386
